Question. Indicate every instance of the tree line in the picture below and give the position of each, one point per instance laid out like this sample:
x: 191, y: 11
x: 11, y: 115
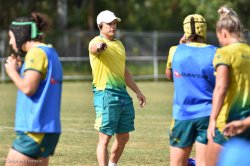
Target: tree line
x: 136, y: 15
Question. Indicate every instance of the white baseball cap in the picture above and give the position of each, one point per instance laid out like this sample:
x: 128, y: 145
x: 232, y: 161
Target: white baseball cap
x: 107, y: 17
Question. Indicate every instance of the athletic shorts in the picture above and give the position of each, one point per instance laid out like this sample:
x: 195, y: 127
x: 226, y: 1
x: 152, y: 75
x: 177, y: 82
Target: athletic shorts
x: 220, y: 139
x: 35, y: 145
x: 114, y: 113
x: 184, y: 133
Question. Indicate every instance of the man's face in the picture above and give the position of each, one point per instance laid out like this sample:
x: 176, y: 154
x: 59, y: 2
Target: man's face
x: 109, y: 29
x: 12, y: 41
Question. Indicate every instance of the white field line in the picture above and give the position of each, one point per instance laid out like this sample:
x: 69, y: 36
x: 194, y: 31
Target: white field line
x: 63, y: 130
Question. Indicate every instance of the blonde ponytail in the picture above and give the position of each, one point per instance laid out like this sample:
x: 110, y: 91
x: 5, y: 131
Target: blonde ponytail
x: 230, y: 21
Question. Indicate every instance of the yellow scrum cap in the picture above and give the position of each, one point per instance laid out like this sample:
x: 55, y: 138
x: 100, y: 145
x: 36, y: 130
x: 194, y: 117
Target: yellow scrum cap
x: 195, y: 24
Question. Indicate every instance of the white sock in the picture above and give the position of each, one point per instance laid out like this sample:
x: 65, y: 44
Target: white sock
x: 112, y: 164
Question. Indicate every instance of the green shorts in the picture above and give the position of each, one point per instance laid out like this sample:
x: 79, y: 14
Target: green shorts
x: 114, y: 113
x: 184, y: 133
x: 36, y: 145
x: 220, y: 139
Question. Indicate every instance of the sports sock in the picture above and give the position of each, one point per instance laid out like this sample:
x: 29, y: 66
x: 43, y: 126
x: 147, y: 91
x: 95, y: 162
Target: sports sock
x: 112, y: 164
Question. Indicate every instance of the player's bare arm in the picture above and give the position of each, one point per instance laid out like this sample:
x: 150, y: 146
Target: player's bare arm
x: 169, y: 74
x: 222, y: 83
x: 132, y: 85
x: 98, y: 48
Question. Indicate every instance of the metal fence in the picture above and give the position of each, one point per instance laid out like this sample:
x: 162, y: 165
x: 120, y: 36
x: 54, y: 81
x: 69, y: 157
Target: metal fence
x: 146, y: 52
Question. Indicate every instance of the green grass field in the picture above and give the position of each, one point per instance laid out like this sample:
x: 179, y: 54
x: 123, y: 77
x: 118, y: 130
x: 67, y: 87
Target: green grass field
x: 148, y: 145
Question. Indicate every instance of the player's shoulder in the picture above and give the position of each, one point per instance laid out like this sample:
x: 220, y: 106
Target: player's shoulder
x: 239, y: 46
x: 198, y: 44
x: 95, y: 38
x: 36, y: 52
x: 118, y: 41
x: 172, y: 48
x: 210, y: 45
x: 171, y: 52
x: 229, y: 49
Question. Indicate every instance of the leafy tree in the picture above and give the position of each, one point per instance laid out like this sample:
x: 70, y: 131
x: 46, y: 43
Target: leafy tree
x: 136, y: 15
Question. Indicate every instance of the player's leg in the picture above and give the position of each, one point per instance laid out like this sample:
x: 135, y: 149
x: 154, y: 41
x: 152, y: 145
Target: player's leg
x: 201, y: 125
x: 118, y: 147
x: 200, y: 156
x: 16, y: 158
x: 125, y: 125
x: 179, y: 156
x: 32, y: 148
x: 214, y: 147
x: 43, y: 162
x: 182, y: 134
x: 104, y: 124
x: 102, y: 149
x: 212, y: 153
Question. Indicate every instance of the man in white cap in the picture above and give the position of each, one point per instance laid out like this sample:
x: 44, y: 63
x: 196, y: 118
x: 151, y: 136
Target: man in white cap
x: 113, y: 105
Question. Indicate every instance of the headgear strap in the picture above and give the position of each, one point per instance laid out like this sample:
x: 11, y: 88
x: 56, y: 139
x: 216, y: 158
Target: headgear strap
x: 34, y: 29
